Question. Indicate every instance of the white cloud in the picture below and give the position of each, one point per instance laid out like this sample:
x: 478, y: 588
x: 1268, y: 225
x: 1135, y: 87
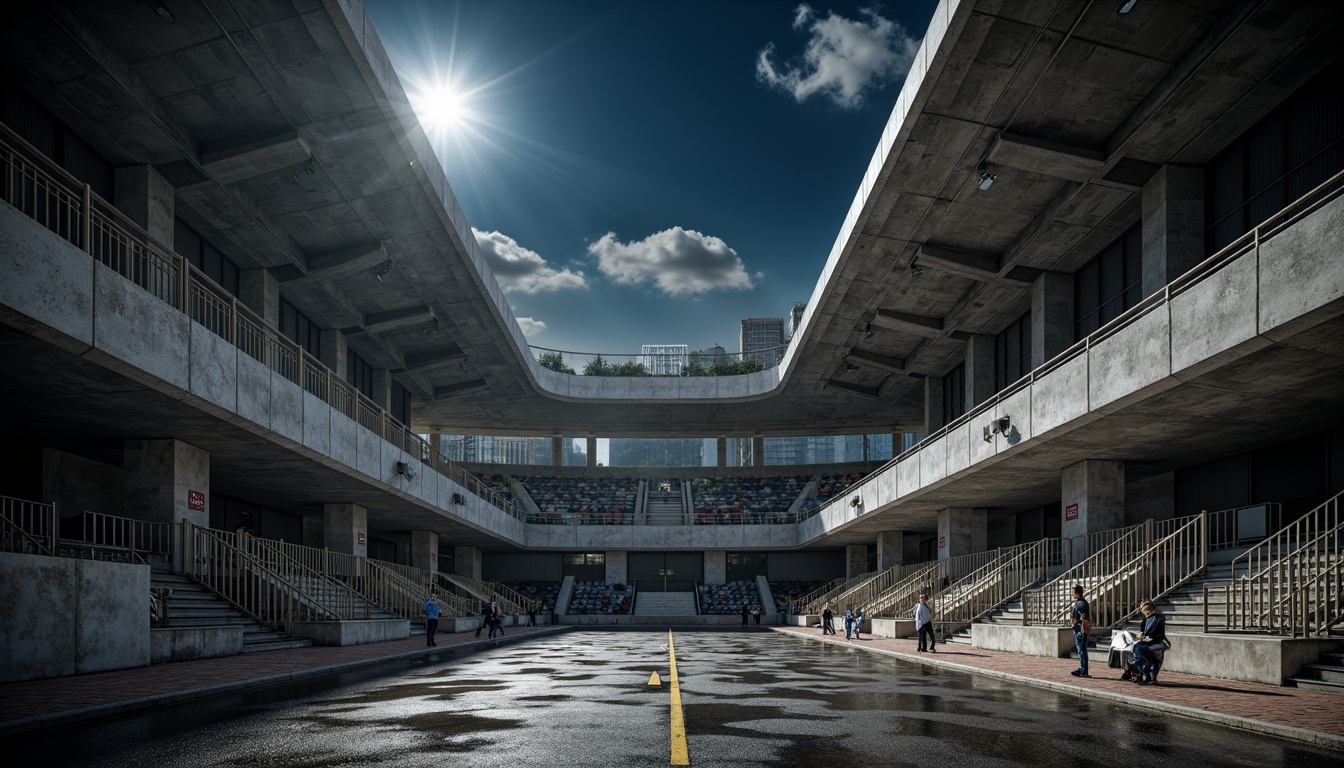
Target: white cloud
x: 844, y: 58
x: 519, y: 269
x: 530, y: 326
x: 678, y: 261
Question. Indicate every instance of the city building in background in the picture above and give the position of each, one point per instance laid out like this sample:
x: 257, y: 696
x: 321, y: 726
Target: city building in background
x: 664, y: 359
x: 761, y: 338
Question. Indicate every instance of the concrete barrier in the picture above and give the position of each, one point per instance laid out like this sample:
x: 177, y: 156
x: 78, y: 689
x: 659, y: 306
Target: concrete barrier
x: 1052, y: 642
x: 707, y: 621
x: 187, y: 643
x: 357, y: 632
x: 892, y: 627
x: 1251, y: 659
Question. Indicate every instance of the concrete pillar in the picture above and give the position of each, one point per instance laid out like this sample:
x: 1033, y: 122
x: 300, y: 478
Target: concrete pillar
x: 933, y: 404
x: 345, y: 529
x: 435, y: 444
x: 758, y: 451
x: 557, y: 451
x: 147, y: 199
x: 1092, y: 498
x: 961, y: 532
x: 1173, y: 225
x: 979, y: 369
x: 467, y: 562
x: 425, y: 551
x: 382, y: 388
x: 166, y: 481
x: 891, y: 549
x: 721, y: 452
x: 260, y: 291
x: 590, y: 446
x: 332, y: 351
x: 618, y: 567
x: 716, y: 566
x: 314, y: 532
x: 1051, y: 316
x: 856, y: 560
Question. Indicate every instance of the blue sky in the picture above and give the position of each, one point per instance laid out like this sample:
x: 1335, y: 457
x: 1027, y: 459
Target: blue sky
x: 652, y: 172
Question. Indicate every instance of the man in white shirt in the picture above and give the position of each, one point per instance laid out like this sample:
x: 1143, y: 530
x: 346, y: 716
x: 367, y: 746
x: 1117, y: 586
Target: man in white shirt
x: 924, y: 624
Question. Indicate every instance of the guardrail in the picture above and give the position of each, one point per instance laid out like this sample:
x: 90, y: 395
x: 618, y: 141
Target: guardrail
x: 314, y: 593
x: 1289, y: 583
x: 1250, y: 242
x: 140, y: 536
x: 28, y: 527
x: 816, y: 604
x: 242, y: 579
x: 57, y: 200
x: 995, y: 583
x: 659, y: 364
x: 803, y: 602
x: 509, y: 600
x: 900, y: 586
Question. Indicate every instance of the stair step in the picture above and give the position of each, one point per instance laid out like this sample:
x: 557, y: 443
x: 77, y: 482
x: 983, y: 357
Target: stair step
x: 301, y: 642
x: 1310, y: 684
x: 1328, y: 673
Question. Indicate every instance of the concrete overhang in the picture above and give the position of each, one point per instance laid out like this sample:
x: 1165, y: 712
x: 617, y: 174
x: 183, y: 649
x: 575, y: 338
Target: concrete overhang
x: 267, y: 155
x: 1044, y: 156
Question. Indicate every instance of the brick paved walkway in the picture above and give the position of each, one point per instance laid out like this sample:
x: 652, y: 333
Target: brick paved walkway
x: 35, y: 703
x: 1304, y: 715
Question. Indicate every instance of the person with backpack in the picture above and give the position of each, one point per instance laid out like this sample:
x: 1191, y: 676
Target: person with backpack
x: 496, y: 620
x: 1081, y: 614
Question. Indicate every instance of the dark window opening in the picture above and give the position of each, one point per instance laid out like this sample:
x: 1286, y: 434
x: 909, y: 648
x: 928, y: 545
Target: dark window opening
x: 1109, y: 284
x: 954, y: 394
x: 359, y: 374
x: 1012, y: 352
x: 299, y: 328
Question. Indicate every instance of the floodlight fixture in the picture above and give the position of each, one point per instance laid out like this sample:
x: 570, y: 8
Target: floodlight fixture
x: 1126, y: 6
x: 869, y: 333
x: 986, y: 179
x: 915, y: 270
x: 383, y: 270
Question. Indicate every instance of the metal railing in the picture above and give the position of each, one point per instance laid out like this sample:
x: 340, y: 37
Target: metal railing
x: 662, y: 364
x: 1289, y: 583
x: 1250, y: 242
x: 817, y: 603
x: 139, y: 536
x: 895, y: 589
x: 509, y: 600
x: 28, y: 527
x: 980, y: 592
x: 805, y: 601
x: 57, y: 200
x: 1052, y: 603
x: 314, y: 593
x: 242, y: 579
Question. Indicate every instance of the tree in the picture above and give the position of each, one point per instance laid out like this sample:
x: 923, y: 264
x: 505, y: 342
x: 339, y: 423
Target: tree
x: 596, y: 367
x: 555, y: 361
x: 745, y: 365
x: 631, y: 368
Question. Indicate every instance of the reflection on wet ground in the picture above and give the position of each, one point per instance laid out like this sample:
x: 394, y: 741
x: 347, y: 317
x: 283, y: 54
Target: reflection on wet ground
x: 583, y: 699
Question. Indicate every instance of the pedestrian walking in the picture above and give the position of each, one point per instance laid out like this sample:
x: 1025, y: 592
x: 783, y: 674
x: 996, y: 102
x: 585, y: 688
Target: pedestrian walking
x: 849, y: 624
x: 532, y: 614
x: 496, y: 620
x: 858, y: 623
x: 827, y: 620
x: 431, y: 619
x: 744, y: 614
x: 485, y: 618
x: 1081, y: 615
x: 924, y: 625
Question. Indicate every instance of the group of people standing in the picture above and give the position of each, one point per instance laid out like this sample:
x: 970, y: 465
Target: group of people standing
x: 853, y: 622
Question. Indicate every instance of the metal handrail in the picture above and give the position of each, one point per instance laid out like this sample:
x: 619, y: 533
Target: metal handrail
x: 811, y: 597
x: 818, y: 603
x: 38, y: 522
x: 1049, y: 604
x: 980, y: 593
x: 1248, y: 242
x: 15, y: 539
x: 53, y: 197
x: 915, y: 580
x: 313, y: 589
x: 128, y: 533
x: 242, y: 579
x: 509, y: 600
x: 571, y: 358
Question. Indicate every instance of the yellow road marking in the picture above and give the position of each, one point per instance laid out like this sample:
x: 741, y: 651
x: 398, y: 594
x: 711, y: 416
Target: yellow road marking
x: 680, y: 756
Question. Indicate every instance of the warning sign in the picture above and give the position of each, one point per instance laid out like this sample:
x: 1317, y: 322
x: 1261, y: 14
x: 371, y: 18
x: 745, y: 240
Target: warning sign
x: 1071, y: 512
x: 196, y: 501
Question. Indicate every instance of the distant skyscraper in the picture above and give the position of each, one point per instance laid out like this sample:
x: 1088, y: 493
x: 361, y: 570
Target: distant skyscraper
x: 496, y: 449
x: 796, y: 317
x: 664, y: 359
x: 656, y: 452
x: 710, y: 356
x: 761, y: 338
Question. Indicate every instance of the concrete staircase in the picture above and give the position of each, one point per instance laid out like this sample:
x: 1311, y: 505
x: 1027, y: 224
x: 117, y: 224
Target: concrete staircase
x: 192, y: 605
x: 665, y: 604
x: 1326, y: 675
x: 1008, y: 613
x: 665, y: 508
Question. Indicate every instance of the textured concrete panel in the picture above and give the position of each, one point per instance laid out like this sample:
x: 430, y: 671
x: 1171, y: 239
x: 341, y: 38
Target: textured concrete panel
x: 370, y: 448
x: 214, y: 368
x: 907, y: 475
x: 345, y: 440
x: 977, y: 447
x: 343, y: 633
x: 1130, y: 361
x: 1060, y: 396
x: 113, y: 626
x: 254, y: 390
x: 188, y: 643
x: 1302, y: 274
x: 47, y: 280
x: 616, y: 562
x: 137, y: 329
x: 316, y: 424
x: 1213, y: 317
x: 959, y: 449
x: 1265, y: 660
x: 933, y: 462
x: 286, y: 408
x: 1017, y: 407
x: 1052, y: 642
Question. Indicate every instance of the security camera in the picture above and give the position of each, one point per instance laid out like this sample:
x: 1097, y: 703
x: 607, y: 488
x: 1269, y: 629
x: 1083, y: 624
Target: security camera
x: 856, y: 501
x: 406, y: 468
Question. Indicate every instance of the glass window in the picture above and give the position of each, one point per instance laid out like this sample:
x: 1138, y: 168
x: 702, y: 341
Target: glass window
x: 359, y: 374
x: 954, y: 394
x: 299, y: 328
x: 1012, y: 352
x: 1109, y: 284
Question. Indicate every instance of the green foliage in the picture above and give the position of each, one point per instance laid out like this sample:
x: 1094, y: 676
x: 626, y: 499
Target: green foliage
x: 599, y: 367
x: 596, y: 367
x: 748, y: 365
x: 555, y: 362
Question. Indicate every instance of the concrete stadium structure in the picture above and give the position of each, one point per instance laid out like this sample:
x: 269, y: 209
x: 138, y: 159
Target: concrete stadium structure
x: 1095, y: 260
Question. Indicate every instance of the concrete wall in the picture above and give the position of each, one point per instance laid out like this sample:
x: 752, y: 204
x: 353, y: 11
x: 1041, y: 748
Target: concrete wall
x: 716, y: 566
x: 894, y: 628
x: 65, y: 616
x: 1152, y: 498
x: 187, y: 643
x: 1054, y: 642
x: 617, y: 567
x: 78, y: 484
x: 605, y: 538
x: 1250, y: 659
x: 344, y: 633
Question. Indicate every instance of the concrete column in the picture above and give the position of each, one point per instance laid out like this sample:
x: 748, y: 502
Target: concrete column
x: 933, y: 404
x: 856, y: 560
x: 1051, y: 316
x: 1092, y: 498
x: 333, y: 351
x: 716, y: 566
x: 260, y: 291
x: 961, y: 532
x: 1173, y: 225
x: 166, y: 481
x: 758, y: 451
x: 979, y: 369
x: 891, y: 549
x: 618, y: 567
x: 721, y: 449
x: 147, y: 199
x: 345, y: 529
x: 436, y: 443
x: 382, y: 388
x: 425, y: 551
x: 467, y: 562
x: 590, y: 446
x: 557, y: 451
x: 314, y: 532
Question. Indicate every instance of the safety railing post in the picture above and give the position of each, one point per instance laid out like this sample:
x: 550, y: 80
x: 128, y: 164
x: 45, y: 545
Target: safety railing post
x: 86, y: 220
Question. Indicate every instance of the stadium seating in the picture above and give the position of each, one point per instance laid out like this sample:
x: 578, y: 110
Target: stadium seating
x: 727, y: 599
x: 544, y: 593
x: 587, y: 501
x: 722, y: 501
x: 595, y: 597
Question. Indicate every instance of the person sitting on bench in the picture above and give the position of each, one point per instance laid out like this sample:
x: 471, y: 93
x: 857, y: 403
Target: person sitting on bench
x: 1151, y: 645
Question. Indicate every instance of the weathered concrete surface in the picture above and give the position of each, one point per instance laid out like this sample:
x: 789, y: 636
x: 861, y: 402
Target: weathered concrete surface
x: 1252, y: 659
x: 467, y: 562
x: 961, y: 532
x: 66, y: 616
x: 48, y: 285
x: 345, y: 529
x: 893, y: 627
x: 1055, y: 642
x: 356, y: 632
x: 162, y: 479
x: 138, y: 334
x: 1097, y: 489
x: 77, y: 484
x: 1301, y: 274
x: 187, y: 643
x: 617, y: 566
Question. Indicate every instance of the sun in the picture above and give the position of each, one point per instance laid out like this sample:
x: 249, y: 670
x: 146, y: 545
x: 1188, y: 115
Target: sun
x: 442, y: 107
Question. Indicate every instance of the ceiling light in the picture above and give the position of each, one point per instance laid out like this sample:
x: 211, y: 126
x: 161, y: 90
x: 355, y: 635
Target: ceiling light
x: 915, y: 271
x: 1126, y: 6
x: 167, y: 15
x: 986, y: 179
x: 383, y: 270
x: 869, y: 333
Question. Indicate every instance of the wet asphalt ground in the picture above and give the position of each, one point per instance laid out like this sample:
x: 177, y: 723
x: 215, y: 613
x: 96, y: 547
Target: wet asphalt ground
x: 582, y: 699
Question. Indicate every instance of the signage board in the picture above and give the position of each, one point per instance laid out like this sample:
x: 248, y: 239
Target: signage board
x: 196, y: 501
x: 1071, y: 512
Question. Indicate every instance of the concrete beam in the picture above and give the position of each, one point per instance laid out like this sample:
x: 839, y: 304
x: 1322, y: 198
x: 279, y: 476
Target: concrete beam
x: 976, y: 266
x: 1047, y: 157
x: 345, y: 263
x: 853, y: 389
x: 420, y: 361
x: 904, y: 321
x: 873, y: 360
x: 377, y: 322
x: 246, y: 161
x: 460, y: 388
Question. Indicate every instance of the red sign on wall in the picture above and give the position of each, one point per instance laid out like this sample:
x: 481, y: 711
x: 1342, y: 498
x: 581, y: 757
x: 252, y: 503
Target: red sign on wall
x: 1071, y: 512
x: 942, y: 542
x: 361, y: 538
x: 433, y: 557
x: 196, y: 501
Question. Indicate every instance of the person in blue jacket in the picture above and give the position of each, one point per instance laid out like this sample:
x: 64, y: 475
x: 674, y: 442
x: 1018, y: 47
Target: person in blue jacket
x: 431, y: 620
x: 1152, y: 642
x: 849, y: 623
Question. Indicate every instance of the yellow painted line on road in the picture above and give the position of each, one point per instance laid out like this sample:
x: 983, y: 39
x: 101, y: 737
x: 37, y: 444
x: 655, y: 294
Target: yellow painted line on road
x: 680, y: 756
